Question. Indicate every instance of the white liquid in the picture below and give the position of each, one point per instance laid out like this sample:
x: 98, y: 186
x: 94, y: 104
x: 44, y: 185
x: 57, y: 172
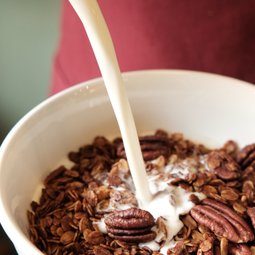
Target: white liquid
x: 168, y: 201
x: 100, y: 39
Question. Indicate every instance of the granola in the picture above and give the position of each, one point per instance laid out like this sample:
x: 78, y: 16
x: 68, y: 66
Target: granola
x: 91, y: 207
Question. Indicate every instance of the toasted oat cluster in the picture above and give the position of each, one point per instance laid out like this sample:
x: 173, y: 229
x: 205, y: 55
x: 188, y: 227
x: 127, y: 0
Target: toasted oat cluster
x: 91, y: 208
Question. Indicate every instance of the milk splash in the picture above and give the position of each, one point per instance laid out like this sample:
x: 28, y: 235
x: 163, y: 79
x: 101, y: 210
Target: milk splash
x: 168, y: 203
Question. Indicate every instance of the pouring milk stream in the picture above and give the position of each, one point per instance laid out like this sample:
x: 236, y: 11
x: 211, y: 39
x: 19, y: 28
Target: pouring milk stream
x: 153, y: 195
x: 101, y: 42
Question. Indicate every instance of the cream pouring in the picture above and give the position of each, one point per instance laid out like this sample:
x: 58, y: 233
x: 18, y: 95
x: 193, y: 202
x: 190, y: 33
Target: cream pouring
x: 152, y: 194
x: 101, y: 42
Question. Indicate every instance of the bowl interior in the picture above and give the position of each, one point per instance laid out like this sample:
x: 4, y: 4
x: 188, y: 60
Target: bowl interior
x: 206, y: 108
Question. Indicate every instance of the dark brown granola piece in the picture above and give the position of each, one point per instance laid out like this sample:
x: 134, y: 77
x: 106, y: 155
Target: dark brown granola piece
x: 251, y: 214
x: 246, y: 159
x: 240, y: 249
x: 223, y: 165
x: 178, y: 249
x: 246, y: 156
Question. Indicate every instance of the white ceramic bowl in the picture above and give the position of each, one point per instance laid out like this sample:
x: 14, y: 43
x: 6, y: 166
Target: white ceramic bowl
x: 206, y: 108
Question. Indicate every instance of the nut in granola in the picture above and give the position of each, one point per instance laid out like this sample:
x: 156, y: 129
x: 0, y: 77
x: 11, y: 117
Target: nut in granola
x: 152, y: 147
x: 222, y: 221
x: 131, y: 225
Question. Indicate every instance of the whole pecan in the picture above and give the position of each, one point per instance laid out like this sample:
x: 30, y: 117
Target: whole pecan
x: 152, y: 147
x: 223, y: 165
x: 222, y: 221
x: 131, y: 225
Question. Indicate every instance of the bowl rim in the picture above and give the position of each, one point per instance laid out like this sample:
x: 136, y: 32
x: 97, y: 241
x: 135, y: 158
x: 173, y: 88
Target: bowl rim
x: 7, y: 222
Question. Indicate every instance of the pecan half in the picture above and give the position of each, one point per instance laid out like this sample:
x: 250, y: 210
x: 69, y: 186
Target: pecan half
x: 131, y: 225
x: 152, y: 147
x: 222, y: 220
x: 223, y: 165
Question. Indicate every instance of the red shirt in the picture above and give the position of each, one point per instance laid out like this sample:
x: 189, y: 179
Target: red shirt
x: 215, y: 36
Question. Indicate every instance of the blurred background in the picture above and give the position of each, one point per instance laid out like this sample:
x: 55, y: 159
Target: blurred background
x: 29, y: 34
x: 28, y: 39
